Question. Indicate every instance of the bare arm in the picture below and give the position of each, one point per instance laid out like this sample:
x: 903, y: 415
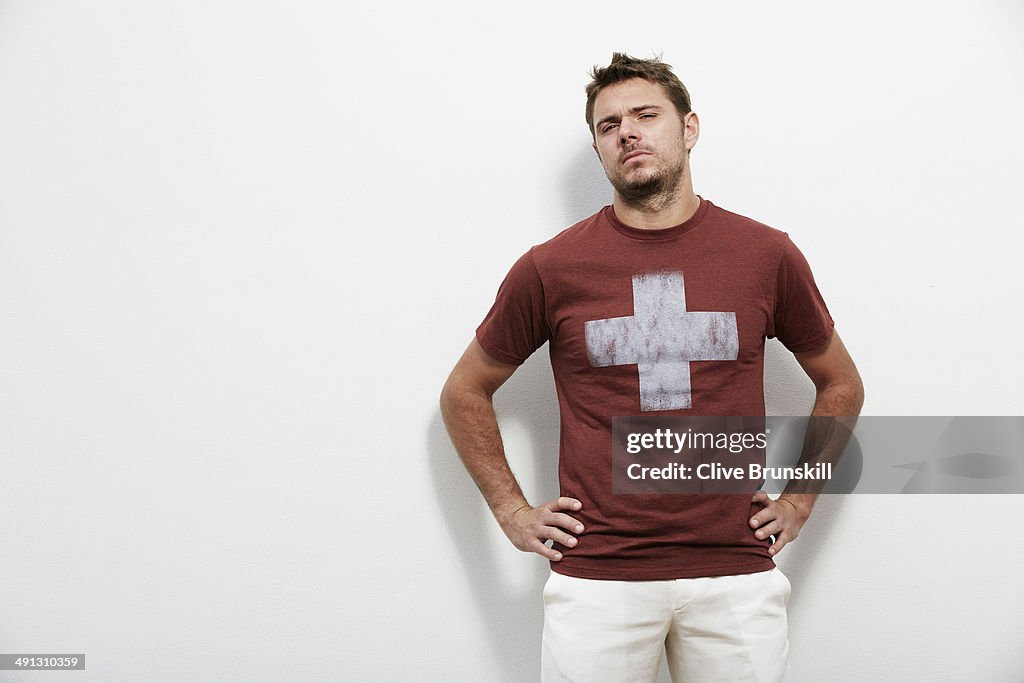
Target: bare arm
x: 468, y: 413
x: 840, y: 394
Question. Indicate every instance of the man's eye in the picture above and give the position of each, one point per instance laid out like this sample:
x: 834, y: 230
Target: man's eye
x: 647, y: 116
x: 608, y: 127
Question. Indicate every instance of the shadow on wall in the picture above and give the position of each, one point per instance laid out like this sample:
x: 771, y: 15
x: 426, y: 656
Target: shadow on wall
x: 586, y: 189
x: 514, y: 614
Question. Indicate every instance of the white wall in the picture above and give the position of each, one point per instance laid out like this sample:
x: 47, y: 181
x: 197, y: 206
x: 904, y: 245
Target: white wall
x: 241, y: 245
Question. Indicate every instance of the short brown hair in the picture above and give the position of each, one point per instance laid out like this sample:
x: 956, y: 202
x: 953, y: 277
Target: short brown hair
x: 623, y: 67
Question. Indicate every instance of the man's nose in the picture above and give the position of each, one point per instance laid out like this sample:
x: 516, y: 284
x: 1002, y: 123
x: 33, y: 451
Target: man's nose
x: 628, y: 132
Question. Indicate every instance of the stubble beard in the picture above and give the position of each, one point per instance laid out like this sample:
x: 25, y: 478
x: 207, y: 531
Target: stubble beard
x: 650, y: 190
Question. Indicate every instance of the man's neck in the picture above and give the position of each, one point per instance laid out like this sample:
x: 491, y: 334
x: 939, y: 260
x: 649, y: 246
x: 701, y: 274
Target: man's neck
x: 657, y: 216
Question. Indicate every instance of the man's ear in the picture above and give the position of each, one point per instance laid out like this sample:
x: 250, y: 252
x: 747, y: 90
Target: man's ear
x: 691, y: 131
x: 594, y: 145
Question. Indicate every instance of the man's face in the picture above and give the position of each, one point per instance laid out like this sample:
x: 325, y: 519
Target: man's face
x: 640, y: 139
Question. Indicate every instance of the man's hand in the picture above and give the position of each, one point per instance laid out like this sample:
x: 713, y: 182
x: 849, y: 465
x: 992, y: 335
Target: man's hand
x: 782, y: 518
x: 529, y: 527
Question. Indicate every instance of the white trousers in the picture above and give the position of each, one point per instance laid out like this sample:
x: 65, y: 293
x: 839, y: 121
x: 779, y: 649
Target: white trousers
x: 721, y: 628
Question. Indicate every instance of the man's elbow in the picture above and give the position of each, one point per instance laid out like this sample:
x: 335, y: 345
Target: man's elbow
x: 847, y: 394
x: 457, y: 395
x: 857, y: 397
x: 447, y: 399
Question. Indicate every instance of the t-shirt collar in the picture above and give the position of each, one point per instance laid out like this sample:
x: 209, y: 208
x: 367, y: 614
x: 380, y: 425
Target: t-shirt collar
x: 660, y: 233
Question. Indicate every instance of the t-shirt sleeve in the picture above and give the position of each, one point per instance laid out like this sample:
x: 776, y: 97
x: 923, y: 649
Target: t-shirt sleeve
x: 801, y: 320
x: 516, y: 325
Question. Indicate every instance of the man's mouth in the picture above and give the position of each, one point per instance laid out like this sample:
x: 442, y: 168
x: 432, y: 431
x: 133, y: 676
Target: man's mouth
x: 635, y: 154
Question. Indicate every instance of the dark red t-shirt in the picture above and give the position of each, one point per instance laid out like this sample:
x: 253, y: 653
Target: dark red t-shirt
x: 660, y: 322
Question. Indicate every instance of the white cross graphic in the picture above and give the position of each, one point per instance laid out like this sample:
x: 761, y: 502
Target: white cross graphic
x: 662, y: 337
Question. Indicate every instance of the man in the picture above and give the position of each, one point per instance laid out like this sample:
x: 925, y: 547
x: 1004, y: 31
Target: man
x: 658, y: 304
